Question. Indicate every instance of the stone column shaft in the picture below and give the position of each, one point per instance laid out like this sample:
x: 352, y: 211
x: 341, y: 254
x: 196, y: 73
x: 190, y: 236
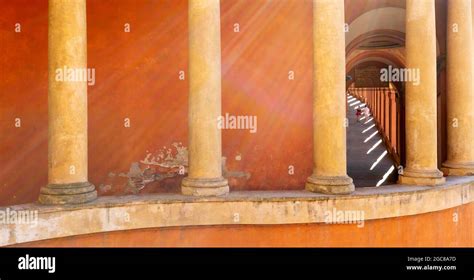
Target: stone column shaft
x: 67, y: 106
x: 420, y: 108
x: 205, y: 151
x: 329, y: 131
x: 460, y: 95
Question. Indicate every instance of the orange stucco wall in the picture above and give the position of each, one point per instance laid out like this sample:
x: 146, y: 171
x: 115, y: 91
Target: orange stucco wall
x: 436, y: 229
x: 137, y: 77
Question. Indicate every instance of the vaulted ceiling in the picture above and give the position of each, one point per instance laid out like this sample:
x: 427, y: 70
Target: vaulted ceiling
x: 376, y: 32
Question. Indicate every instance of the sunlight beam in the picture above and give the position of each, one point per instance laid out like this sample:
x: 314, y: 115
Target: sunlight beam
x: 378, y: 160
x: 371, y: 136
x: 369, y: 128
x: 355, y: 103
x: 374, y: 146
x: 385, y: 176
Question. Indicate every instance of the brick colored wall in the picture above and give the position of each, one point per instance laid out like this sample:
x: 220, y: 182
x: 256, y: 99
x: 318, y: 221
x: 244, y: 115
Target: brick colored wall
x: 137, y: 77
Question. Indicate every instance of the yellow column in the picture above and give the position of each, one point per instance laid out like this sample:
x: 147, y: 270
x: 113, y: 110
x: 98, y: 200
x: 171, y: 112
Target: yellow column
x: 67, y: 105
x: 329, y: 130
x: 205, y: 154
x: 460, y: 96
x: 420, y: 98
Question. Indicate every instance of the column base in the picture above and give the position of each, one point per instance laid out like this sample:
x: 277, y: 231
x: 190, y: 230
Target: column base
x: 330, y: 184
x: 204, y: 187
x: 421, y: 177
x: 74, y: 193
x: 458, y: 169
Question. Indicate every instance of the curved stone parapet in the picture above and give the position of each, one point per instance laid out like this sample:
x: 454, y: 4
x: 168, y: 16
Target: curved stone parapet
x: 109, y: 214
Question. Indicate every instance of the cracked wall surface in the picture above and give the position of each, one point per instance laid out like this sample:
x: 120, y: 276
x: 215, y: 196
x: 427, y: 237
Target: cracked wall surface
x: 160, y: 171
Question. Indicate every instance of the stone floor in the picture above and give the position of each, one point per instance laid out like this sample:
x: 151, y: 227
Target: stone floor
x: 368, y: 161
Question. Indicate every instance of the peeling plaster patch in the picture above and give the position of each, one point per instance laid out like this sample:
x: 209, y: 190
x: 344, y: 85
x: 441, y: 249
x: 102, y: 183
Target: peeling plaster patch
x: 138, y: 178
x: 167, y: 162
x: 135, y: 178
x: 105, y: 188
x: 172, y: 159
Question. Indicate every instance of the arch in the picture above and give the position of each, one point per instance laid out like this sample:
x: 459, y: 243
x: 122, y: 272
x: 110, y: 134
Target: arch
x: 384, y: 26
x: 396, y: 38
x: 377, y: 56
x: 377, y: 19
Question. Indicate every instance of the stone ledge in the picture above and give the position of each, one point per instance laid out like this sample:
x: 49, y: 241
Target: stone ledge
x: 243, y: 207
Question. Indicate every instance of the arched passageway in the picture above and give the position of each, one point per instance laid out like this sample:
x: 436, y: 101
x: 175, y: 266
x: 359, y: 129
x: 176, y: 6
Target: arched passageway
x: 375, y: 143
x: 373, y: 138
